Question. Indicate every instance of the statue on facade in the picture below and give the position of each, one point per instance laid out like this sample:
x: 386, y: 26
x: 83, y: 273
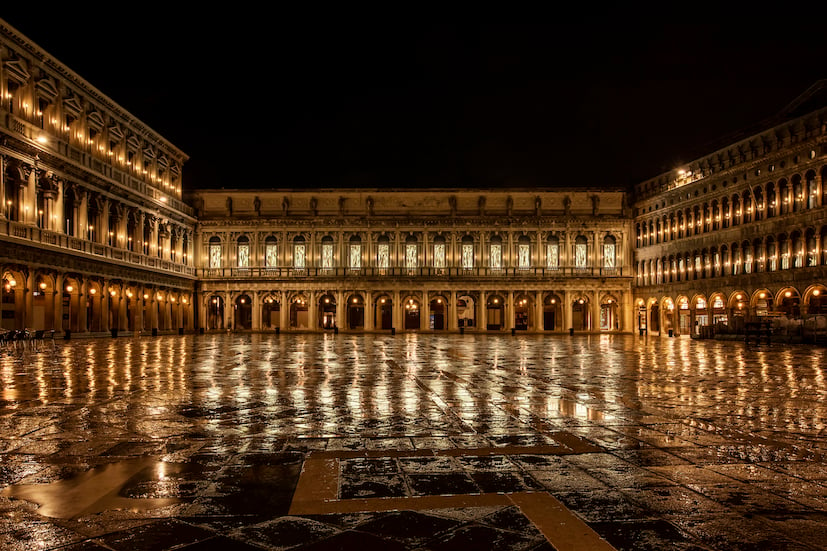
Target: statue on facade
x: 229, y: 206
x: 342, y: 206
x: 538, y: 205
x: 452, y: 202
x: 567, y: 205
x: 285, y: 205
x: 509, y: 205
x: 369, y: 204
x: 481, y: 205
x: 314, y: 205
x: 595, y: 205
x: 257, y: 206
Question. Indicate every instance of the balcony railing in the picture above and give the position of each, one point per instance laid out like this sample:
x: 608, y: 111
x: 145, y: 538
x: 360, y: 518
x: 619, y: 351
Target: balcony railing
x: 287, y: 272
x: 56, y: 240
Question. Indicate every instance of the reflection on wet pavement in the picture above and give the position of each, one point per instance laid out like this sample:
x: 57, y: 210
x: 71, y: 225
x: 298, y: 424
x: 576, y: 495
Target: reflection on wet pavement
x: 412, y: 442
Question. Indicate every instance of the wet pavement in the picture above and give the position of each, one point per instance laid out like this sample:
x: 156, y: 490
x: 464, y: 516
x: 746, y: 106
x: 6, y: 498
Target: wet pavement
x: 250, y: 442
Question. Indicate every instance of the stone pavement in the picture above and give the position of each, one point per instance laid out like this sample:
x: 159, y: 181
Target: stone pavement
x: 419, y: 442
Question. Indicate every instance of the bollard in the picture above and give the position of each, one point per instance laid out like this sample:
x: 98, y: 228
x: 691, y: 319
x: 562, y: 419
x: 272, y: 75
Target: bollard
x: 513, y: 331
x: 393, y: 330
x: 671, y: 333
x: 200, y: 330
x: 67, y: 335
x: 641, y: 332
x: 278, y: 330
x: 180, y: 330
x: 114, y: 333
x: 462, y: 330
x: 571, y: 331
x: 335, y: 330
x: 154, y: 331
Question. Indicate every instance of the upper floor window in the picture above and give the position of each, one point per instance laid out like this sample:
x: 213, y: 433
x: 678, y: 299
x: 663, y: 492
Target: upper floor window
x: 271, y: 254
x: 411, y: 253
x: 495, y: 253
x: 327, y: 252
x: 467, y: 253
x: 299, y: 253
x: 524, y: 253
x: 609, y: 260
x: 215, y: 252
x: 243, y: 252
x: 581, y: 249
x: 553, y: 253
x: 355, y: 261
x: 439, y: 252
x: 383, y: 252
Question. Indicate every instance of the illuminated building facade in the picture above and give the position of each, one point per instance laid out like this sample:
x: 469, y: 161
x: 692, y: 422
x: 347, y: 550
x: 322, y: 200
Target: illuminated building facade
x: 740, y: 232
x: 433, y: 260
x: 94, y: 236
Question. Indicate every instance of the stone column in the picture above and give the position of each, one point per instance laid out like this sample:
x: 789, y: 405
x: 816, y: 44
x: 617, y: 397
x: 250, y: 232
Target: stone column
x: 453, y: 323
x: 3, y: 187
x: 256, y: 306
x: 538, y: 312
x: 284, y: 311
x: 368, y: 311
x: 313, y: 310
x: 57, y: 302
x: 566, y: 310
x: 341, y: 309
x: 509, y: 309
x: 482, y: 324
x: 82, y: 295
x: 104, y: 306
x: 396, y: 311
x: 595, y: 325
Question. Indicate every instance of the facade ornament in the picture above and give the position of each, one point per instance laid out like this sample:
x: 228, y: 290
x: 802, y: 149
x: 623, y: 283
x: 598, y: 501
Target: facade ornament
x: 257, y: 205
x: 314, y: 206
x: 229, y: 206
x: 567, y: 205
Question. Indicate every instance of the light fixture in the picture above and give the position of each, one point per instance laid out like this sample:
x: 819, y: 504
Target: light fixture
x: 93, y: 291
x: 69, y: 288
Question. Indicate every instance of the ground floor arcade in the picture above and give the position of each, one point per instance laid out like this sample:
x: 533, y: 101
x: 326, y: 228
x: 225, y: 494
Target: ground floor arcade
x: 449, y: 310
x: 51, y: 300
x: 688, y: 313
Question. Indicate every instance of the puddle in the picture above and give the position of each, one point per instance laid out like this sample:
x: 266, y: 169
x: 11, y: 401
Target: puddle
x: 94, y: 491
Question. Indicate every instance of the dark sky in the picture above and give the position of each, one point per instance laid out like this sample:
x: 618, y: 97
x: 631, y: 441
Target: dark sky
x: 295, y: 102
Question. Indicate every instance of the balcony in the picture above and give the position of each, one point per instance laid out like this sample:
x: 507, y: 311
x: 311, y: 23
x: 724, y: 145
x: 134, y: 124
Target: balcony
x: 400, y: 272
x: 33, y: 236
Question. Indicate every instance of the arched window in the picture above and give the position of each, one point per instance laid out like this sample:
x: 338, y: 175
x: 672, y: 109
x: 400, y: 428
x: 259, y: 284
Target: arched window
x: 467, y: 253
x: 383, y: 253
x: 299, y: 253
x: 553, y: 253
x: 524, y: 252
x: 327, y: 253
x: 411, y: 253
x: 215, y: 252
x: 609, y: 252
x: 243, y: 252
x: 772, y: 255
x: 271, y: 252
x: 772, y: 200
x: 438, y: 255
x: 355, y: 256
x: 495, y: 253
x: 581, y: 251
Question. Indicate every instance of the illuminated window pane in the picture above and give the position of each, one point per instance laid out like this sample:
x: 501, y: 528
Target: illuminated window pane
x: 608, y: 255
x: 355, y: 255
x: 215, y: 256
x: 748, y: 262
x: 383, y: 255
x: 298, y: 256
x: 496, y: 253
x: 467, y: 256
x: 271, y: 256
x: 327, y: 255
x: 523, y: 260
x: 244, y: 256
x: 439, y: 255
x: 410, y: 255
x: 552, y: 256
x: 580, y: 255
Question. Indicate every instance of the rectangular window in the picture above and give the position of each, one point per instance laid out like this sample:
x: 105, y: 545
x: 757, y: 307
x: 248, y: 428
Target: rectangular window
x: 580, y: 255
x: 298, y: 256
x: 271, y: 256
x: 523, y: 256
x: 327, y: 256
x: 355, y: 256
x: 244, y: 256
x: 410, y: 256
x: 383, y: 256
x: 496, y: 253
x: 467, y: 256
x: 215, y: 256
x: 552, y: 256
x: 608, y: 255
x: 439, y: 255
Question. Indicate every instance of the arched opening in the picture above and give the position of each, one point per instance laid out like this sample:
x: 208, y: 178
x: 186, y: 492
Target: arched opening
x: 494, y: 313
x: 412, y: 320
x: 522, y: 312
x: 684, y: 316
x: 817, y: 300
x: 789, y: 303
x: 270, y: 312
x: 299, y: 313
x: 11, y: 306
x: 355, y: 312
x: 243, y: 252
x: 669, y: 315
x: 654, y: 318
x: 43, y: 308
x: 243, y: 313
x: 466, y: 311
x: 214, y: 252
x: 437, y: 321
x: 327, y: 312
x: 701, y: 314
x: 383, y: 312
x: 609, y: 314
x: 762, y: 302
x: 552, y: 315
x: 215, y: 313
x: 94, y: 312
x: 718, y: 307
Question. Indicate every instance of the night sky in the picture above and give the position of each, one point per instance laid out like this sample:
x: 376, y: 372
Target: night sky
x: 302, y: 103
